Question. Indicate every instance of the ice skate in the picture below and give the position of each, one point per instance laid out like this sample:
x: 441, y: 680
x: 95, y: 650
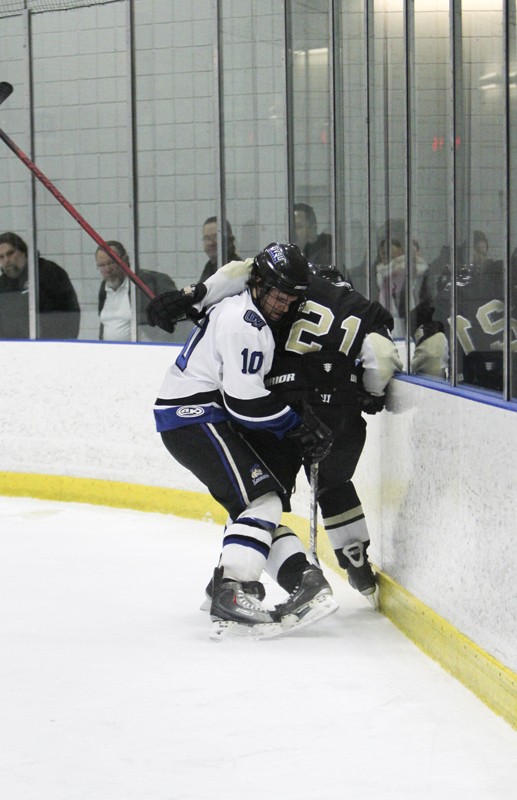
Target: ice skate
x: 235, y: 612
x: 253, y: 588
x: 360, y: 573
x: 310, y: 601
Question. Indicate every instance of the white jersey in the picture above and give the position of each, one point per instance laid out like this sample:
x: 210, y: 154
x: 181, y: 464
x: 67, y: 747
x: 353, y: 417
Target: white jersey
x: 219, y: 374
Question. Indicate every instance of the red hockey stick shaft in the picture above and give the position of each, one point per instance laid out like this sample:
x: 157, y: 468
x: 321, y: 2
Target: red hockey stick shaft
x: 75, y: 214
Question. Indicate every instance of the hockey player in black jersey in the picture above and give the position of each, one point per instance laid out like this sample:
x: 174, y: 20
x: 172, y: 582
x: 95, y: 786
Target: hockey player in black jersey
x: 336, y: 354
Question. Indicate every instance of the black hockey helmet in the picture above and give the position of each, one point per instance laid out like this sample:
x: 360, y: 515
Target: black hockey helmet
x: 329, y: 273
x: 281, y: 266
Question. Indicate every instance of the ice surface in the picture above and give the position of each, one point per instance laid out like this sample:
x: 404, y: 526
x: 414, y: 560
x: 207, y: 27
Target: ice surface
x: 110, y: 689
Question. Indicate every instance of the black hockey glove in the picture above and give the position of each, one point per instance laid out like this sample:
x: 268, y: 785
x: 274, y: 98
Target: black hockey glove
x: 370, y: 403
x: 167, y: 309
x: 312, y: 436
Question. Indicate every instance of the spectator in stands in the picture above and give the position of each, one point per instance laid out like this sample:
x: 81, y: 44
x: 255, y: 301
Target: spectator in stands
x: 114, y: 301
x: 59, y: 312
x: 480, y: 250
x: 316, y: 247
x: 209, y: 235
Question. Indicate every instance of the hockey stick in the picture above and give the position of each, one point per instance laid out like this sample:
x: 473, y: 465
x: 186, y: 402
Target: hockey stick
x: 5, y: 90
x: 313, y: 510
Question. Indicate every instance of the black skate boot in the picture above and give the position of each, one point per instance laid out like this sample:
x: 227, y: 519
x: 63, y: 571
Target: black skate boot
x: 231, y: 602
x: 310, y: 600
x: 360, y: 574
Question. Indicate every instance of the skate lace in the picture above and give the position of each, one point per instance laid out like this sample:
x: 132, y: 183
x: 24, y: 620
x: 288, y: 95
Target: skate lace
x: 240, y: 598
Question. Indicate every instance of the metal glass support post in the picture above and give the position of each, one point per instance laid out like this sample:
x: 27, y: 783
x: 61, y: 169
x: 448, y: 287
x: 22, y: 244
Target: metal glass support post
x: 370, y: 77
x: 32, y: 256
x: 409, y: 73
x: 509, y: 58
x: 132, y: 159
x: 335, y: 166
x: 220, y: 170
x: 452, y: 91
x: 289, y: 109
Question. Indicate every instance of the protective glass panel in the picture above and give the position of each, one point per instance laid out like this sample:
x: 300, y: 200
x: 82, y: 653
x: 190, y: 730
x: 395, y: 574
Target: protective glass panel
x: 14, y: 297
x: 311, y: 130
x: 80, y: 98
x: 430, y: 184
x: 254, y: 127
x: 352, y: 147
x: 388, y: 160
x: 480, y: 191
x: 175, y: 134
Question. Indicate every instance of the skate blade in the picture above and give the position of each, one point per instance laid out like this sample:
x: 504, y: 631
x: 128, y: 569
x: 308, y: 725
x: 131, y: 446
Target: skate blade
x: 373, y: 599
x: 222, y: 629
x: 319, y: 608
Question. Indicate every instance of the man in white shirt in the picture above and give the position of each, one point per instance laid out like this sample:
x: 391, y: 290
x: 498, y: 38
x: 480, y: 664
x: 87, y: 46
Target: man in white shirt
x: 114, y: 301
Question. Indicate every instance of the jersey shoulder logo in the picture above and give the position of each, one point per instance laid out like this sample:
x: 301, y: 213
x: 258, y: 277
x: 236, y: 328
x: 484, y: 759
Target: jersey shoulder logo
x: 254, y: 319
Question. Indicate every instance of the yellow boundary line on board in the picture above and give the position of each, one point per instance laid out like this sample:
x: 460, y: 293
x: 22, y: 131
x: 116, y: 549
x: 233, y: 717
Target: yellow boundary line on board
x: 493, y: 683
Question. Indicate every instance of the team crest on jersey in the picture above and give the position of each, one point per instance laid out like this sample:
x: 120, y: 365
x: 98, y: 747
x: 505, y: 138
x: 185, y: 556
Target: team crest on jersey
x: 188, y: 412
x: 254, y: 319
x: 257, y: 474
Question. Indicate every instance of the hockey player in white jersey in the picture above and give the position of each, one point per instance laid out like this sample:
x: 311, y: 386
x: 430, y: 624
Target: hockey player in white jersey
x: 336, y: 353
x: 217, y: 382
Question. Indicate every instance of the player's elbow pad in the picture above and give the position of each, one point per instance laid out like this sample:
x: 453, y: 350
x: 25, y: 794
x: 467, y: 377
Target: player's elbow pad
x: 380, y: 360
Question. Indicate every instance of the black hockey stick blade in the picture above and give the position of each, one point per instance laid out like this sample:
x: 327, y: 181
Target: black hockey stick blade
x: 6, y: 89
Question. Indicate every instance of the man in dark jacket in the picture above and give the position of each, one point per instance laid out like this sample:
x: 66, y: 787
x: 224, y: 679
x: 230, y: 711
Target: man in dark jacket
x: 59, y: 312
x: 210, y: 247
x: 316, y: 247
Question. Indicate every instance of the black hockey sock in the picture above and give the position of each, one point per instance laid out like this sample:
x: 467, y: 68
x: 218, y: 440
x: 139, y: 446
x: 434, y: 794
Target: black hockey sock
x: 291, y: 571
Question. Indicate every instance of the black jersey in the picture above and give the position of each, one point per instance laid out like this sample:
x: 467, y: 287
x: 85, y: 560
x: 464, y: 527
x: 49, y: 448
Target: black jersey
x: 329, y: 332
x: 345, y: 335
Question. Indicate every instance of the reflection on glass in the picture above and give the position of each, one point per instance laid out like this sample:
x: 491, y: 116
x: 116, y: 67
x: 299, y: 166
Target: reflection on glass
x: 480, y: 182
x: 58, y: 308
